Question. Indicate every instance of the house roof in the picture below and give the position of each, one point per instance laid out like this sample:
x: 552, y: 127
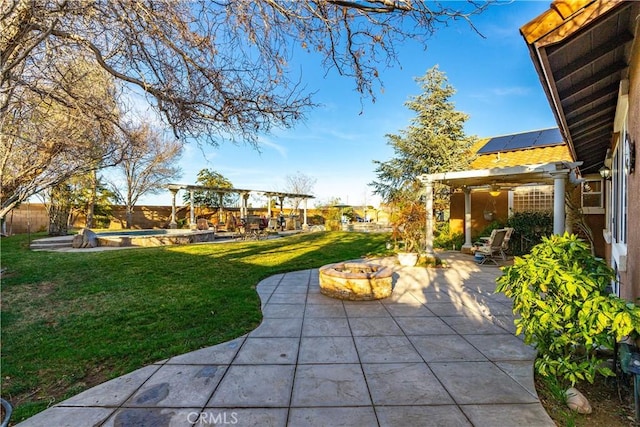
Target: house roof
x: 581, y: 51
x: 525, y: 148
x: 534, y: 157
x: 523, y: 141
x: 557, y: 153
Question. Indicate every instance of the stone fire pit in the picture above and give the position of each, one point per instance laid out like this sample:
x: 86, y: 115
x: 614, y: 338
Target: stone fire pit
x: 355, y: 281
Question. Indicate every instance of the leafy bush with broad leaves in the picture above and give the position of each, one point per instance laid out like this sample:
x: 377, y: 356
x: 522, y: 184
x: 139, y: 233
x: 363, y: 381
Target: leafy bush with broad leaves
x: 559, y: 293
x: 443, y: 238
x: 529, y: 228
x: 409, y: 226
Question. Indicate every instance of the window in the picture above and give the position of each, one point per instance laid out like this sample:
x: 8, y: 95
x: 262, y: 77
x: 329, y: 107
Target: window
x: 593, y: 196
x: 533, y: 198
x: 619, y: 180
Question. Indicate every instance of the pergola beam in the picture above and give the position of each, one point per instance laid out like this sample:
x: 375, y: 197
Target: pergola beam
x: 244, y: 196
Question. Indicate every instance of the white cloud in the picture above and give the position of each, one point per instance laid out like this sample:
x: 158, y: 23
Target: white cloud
x: 511, y: 91
x: 280, y: 149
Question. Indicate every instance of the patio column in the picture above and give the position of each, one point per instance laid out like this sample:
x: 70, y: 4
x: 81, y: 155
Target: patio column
x: 466, y: 248
x: 429, y: 223
x: 304, y: 216
x: 221, y: 216
x: 173, y: 223
x: 243, y: 206
x: 192, y: 212
x: 268, y: 206
x: 559, y: 179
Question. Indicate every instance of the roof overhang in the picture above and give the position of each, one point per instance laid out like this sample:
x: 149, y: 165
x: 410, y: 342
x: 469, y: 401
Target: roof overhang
x: 505, y: 177
x: 581, y: 51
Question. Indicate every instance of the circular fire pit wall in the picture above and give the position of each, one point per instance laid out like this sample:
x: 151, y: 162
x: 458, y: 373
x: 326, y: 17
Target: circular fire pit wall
x: 355, y: 281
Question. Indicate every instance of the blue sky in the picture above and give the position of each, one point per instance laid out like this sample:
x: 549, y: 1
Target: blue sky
x: 496, y: 86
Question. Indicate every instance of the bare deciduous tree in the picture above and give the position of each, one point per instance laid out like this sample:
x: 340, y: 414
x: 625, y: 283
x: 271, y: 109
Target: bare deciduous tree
x: 298, y: 183
x: 148, y: 163
x: 217, y: 68
x: 214, y: 70
x: 61, y: 125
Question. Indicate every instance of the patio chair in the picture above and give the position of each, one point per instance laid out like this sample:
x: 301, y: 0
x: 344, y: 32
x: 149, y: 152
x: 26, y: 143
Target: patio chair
x: 505, y: 242
x: 493, y: 247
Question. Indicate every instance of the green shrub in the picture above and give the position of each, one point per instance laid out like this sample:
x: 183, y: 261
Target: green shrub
x: 444, y: 239
x: 559, y: 292
x: 529, y: 228
x: 490, y: 227
x: 315, y: 220
x: 332, y: 225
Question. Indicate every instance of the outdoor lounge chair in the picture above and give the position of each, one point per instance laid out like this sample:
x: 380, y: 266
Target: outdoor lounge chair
x: 493, y: 247
x: 505, y: 242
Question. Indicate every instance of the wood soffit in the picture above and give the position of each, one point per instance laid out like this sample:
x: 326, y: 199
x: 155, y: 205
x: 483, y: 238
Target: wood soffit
x: 581, y: 51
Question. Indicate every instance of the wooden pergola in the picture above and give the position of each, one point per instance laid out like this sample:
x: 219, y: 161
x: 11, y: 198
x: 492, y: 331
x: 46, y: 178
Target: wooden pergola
x: 244, y: 197
x: 556, y: 173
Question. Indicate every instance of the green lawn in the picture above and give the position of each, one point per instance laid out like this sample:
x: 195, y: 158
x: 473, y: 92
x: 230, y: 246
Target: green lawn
x: 73, y: 320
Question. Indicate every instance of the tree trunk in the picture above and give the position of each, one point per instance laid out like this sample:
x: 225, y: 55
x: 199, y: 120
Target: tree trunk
x: 129, y: 217
x: 92, y: 199
x: 59, y: 210
x: 58, y: 220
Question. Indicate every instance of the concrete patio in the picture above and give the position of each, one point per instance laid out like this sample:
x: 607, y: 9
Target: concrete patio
x: 439, y: 352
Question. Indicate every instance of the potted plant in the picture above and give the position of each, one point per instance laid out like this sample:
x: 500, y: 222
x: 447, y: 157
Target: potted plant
x: 488, y: 215
x: 409, y: 232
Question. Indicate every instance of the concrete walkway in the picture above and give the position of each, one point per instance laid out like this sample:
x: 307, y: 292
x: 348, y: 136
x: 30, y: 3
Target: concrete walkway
x: 439, y: 352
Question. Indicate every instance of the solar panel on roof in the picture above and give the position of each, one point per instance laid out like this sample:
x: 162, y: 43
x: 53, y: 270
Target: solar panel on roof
x: 520, y: 141
x: 495, y: 144
x: 549, y: 137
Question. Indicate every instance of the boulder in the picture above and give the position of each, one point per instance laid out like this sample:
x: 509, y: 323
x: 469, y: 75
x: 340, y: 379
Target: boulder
x: 77, y: 241
x: 577, y: 402
x: 85, y: 239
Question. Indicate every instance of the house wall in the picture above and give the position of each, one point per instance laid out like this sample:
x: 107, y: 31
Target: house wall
x: 597, y: 223
x: 480, y: 200
x: 630, y: 280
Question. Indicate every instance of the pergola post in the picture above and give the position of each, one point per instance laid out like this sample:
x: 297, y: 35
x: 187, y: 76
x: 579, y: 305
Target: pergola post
x: 304, y: 216
x: 243, y: 207
x: 467, y: 221
x: 559, y: 179
x: 282, y: 226
x: 269, y: 206
x: 173, y: 224
x: 192, y: 212
x: 221, y: 216
x: 429, y: 223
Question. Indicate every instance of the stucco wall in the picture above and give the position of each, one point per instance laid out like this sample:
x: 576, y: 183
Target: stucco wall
x: 479, y: 202
x: 630, y: 280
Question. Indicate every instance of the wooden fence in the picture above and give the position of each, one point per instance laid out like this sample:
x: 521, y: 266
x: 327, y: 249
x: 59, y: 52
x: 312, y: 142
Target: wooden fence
x: 32, y: 217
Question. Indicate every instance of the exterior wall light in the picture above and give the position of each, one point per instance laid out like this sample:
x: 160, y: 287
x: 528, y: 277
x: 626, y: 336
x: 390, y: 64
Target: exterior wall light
x: 605, y: 172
